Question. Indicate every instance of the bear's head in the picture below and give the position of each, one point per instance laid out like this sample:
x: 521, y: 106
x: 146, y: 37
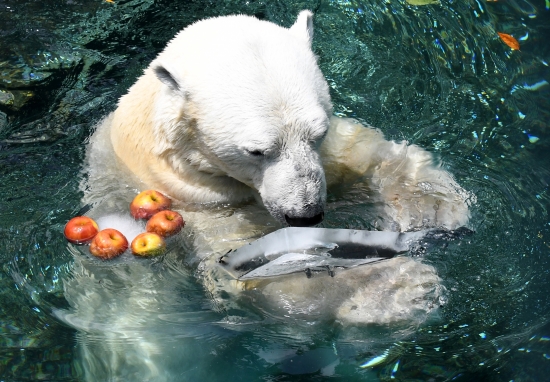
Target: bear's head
x: 246, y: 99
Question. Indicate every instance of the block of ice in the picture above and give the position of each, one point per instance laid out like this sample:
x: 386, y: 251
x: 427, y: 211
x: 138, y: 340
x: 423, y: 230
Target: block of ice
x: 292, y: 250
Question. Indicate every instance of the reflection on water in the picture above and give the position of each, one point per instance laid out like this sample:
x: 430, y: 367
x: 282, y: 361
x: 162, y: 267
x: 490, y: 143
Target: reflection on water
x: 435, y: 75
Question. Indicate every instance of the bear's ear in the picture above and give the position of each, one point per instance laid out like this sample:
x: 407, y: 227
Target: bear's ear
x: 303, y: 27
x: 166, y: 77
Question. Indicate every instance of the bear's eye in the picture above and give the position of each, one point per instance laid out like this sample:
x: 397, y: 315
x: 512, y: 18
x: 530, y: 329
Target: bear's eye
x: 255, y: 153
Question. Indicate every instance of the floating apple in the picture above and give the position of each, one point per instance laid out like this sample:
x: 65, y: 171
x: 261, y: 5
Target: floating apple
x: 148, y: 244
x: 165, y: 223
x: 108, y: 243
x: 148, y: 203
x: 81, y: 230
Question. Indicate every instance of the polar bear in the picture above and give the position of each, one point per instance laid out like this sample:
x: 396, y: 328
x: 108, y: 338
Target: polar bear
x: 233, y: 120
x: 235, y: 107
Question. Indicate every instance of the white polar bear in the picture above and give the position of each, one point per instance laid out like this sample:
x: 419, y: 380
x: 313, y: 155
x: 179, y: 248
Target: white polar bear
x: 235, y: 107
x: 236, y: 111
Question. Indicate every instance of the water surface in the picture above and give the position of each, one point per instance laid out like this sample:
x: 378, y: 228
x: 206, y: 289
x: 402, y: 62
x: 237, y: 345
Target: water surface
x: 435, y: 75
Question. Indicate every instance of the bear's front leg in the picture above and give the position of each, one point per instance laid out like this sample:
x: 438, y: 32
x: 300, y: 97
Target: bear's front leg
x: 402, y: 180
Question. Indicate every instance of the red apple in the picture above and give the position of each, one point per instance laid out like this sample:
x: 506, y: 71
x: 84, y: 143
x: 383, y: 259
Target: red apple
x: 108, y: 243
x: 165, y: 223
x: 148, y: 203
x: 148, y: 244
x: 81, y: 230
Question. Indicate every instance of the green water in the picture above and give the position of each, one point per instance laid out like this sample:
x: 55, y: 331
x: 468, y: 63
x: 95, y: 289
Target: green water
x: 435, y: 75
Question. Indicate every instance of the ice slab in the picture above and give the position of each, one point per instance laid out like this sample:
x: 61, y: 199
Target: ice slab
x: 293, y: 249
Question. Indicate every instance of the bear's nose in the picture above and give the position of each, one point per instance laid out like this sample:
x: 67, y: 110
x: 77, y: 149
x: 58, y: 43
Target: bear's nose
x: 305, y: 222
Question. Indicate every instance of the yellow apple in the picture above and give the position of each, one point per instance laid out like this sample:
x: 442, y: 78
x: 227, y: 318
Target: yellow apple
x: 148, y: 244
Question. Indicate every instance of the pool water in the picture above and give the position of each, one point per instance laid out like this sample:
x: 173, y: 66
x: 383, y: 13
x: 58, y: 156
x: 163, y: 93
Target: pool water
x: 436, y: 75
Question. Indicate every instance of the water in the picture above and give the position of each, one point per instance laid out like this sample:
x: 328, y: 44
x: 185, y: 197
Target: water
x: 436, y: 75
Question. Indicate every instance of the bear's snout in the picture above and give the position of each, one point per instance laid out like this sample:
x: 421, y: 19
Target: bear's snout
x: 293, y: 193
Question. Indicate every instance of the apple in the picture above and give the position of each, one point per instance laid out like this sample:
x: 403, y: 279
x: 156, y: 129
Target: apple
x: 165, y: 223
x: 148, y: 203
x: 80, y: 230
x: 108, y: 243
x: 148, y: 244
